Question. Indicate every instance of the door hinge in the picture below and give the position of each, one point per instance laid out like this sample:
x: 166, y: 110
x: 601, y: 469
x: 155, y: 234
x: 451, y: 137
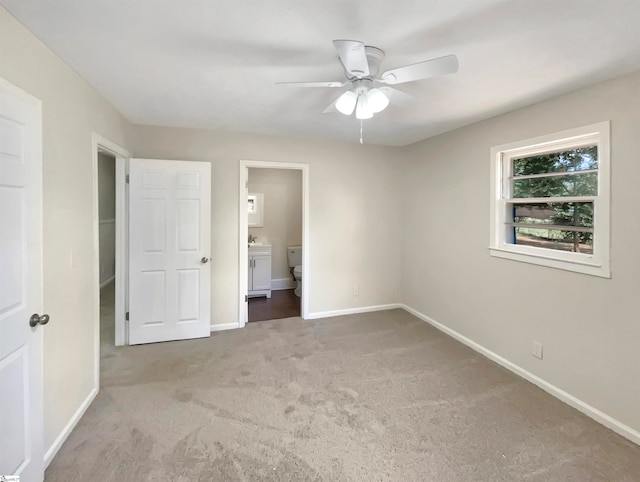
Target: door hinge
x: 127, y: 179
x: 126, y: 317
x: 246, y: 298
x: 246, y: 184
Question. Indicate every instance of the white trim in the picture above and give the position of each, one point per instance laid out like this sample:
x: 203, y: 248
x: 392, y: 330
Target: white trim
x: 590, y: 411
x: 99, y: 143
x: 597, y: 264
x: 223, y: 327
x: 282, y: 284
x: 68, y: 428
x: 107, y: 221
x: 108, y: 281
x: 258, y: 293
x: 243, y: 229
x: 122, y: 252
x: 552, y: 174
x: 353, y: 311
x: 547, y: 143
x: 593, y: 269
x: 556, y: 199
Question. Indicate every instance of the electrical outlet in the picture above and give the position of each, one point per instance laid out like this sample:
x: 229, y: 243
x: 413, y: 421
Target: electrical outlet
x: 536, y: 351
x: 356, y: 291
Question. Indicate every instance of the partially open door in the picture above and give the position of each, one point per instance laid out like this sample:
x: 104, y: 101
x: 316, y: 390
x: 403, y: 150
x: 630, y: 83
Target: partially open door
x: 169, y: 250
x: 21, y: 415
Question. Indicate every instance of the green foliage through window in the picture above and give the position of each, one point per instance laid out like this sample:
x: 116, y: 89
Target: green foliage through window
x: 561, y: 174
x: 578, y: 159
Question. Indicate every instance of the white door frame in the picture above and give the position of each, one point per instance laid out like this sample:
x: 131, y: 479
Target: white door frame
x: 102, y: 144
x: 243, y: 253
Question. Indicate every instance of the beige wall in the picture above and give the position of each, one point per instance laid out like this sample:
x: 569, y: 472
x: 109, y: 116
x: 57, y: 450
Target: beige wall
x: 72, y: 111
x: 588, y: 325
x: 355, y: 230
x: 282, y: 189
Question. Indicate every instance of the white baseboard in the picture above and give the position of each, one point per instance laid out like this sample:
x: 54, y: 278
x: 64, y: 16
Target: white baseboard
x: 591, y: 412
x: 283, y: 284
x: 68, y: 428
x: 108, y: 281
x: 224, y: 326
x: 353, y: 311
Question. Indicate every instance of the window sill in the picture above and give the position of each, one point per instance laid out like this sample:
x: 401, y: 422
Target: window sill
x: 543, y: 259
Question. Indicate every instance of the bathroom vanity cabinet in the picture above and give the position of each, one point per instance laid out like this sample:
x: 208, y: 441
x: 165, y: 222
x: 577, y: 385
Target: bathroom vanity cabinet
x: 259, y: 270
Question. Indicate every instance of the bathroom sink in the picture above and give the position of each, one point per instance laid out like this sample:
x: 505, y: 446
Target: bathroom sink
x: 255, y: 244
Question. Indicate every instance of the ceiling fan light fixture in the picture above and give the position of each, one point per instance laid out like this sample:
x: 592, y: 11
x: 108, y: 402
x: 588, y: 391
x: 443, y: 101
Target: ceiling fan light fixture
x: 361, y: 64
x: 346, y: 103
x: 363, y: 109
x: 377, y: 100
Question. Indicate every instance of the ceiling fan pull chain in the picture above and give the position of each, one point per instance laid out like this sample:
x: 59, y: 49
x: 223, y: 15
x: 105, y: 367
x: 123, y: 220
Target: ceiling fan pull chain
x: 361, y: 131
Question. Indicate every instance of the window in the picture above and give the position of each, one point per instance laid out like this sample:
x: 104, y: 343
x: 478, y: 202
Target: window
x: 550, y: 200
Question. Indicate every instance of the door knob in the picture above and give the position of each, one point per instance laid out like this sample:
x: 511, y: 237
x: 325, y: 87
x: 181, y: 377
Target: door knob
x: 204, y: 260
x: 37, y: 319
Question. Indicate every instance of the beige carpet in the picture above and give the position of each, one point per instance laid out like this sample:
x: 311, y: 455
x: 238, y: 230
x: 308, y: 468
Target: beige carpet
x: 379, y: 396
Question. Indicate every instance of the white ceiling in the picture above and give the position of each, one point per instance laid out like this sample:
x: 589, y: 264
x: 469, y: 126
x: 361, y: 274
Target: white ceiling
x: 213, y: 64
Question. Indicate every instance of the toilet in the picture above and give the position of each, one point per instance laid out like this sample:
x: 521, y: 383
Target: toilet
x: 294, y: 258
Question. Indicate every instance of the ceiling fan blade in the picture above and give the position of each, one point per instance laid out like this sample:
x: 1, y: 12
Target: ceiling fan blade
x: 331, y: 108
x: 353, y: 57
x: 422, y: 70
x: 312, y: 84
x: 397, y: 97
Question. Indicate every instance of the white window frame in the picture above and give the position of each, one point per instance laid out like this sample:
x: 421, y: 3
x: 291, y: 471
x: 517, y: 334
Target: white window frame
x: 596, y: 264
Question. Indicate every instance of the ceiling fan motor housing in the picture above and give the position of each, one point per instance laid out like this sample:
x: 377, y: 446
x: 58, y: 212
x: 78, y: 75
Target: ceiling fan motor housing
x: 375, y: 56
x: 362, y: 86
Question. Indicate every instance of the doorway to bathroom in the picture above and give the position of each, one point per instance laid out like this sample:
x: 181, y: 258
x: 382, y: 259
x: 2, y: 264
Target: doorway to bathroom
x: 273, y: 222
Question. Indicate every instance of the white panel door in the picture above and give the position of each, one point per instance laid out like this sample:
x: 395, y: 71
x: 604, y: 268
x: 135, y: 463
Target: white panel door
x: 21, y: 416
x: 169, y: 249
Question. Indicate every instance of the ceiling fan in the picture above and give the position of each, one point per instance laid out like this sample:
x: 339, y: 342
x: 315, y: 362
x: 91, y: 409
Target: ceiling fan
x: 366, y: 89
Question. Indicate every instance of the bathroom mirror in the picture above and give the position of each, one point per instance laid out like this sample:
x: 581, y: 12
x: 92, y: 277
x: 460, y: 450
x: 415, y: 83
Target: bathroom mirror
x: 255, y: 210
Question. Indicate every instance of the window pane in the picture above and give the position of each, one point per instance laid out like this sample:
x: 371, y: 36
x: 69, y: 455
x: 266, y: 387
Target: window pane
x: 559, y: 214
x: 575, y: 241
x: 578, y: 159
x: 584, y: 184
